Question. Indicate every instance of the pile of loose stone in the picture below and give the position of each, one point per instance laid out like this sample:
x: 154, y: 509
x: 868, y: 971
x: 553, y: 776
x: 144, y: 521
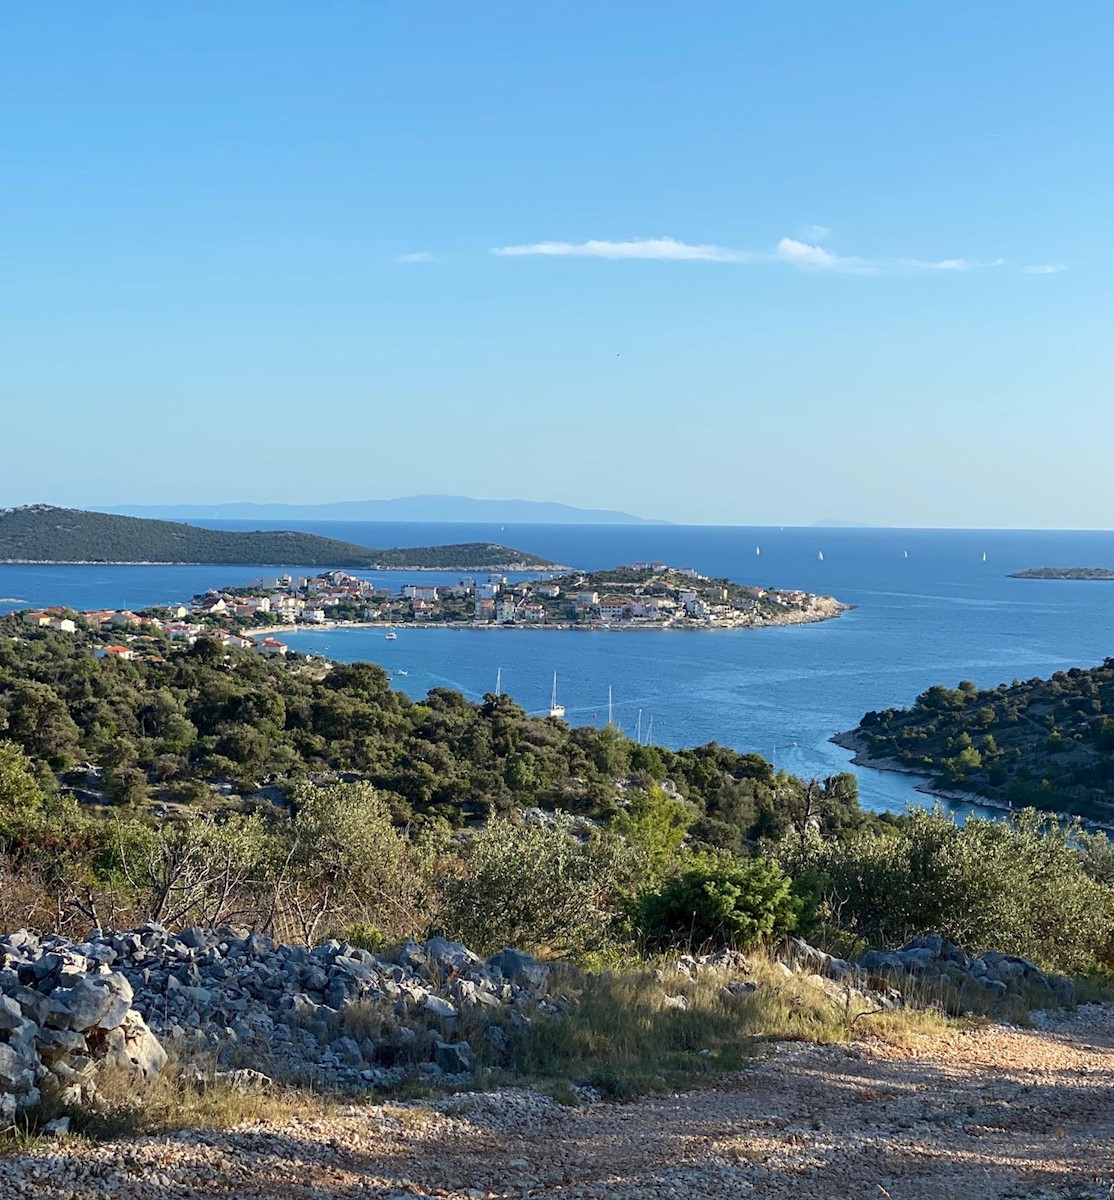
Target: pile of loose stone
x: 341, y: 1016
x: 334, y: 1014
x: 931, y: 961
x: 64, y: 1014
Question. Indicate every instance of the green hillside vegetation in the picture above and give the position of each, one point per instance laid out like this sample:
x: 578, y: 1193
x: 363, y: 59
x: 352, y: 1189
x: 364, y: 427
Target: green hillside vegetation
x: 309, y: 800
x: 1048, y: 743
x: 42, y: 533
x: 163, y: 726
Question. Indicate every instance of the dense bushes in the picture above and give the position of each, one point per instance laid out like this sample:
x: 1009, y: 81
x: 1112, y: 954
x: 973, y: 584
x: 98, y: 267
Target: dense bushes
x: 540, y: 885
x: 717, y: 902
x: 1018, y: 886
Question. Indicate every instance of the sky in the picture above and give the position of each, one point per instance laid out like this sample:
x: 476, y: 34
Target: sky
x: 761, y: 263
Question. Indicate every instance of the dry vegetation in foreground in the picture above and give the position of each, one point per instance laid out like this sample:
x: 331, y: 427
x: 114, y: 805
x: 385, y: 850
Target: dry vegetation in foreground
x: 626, y: 1033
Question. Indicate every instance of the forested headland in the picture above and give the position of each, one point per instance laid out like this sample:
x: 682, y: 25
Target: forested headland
x: 42, y: 533
x: 1048, y: 743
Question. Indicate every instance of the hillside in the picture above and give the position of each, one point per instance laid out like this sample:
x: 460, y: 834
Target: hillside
x: 43, y: 533
x: 1044, y: 742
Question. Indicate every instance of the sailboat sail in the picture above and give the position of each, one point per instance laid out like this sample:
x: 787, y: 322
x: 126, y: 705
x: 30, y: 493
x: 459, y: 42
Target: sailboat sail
x: 555, y: 709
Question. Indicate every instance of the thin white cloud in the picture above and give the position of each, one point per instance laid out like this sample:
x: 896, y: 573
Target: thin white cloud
x: 419, y: 256
x: 812, y: 257
x: 795, y: 252
x: 1045, y: 269
x: 662, y: 249
x: 949, y: 264
x: 815, y: 233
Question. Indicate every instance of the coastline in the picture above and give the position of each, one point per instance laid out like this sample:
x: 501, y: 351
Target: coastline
x: 549, y: 626
x: 852, y: 740
x: 514, y: 568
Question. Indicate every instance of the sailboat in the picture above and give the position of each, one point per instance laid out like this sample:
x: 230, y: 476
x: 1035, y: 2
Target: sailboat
x: 905, y: 554
x: 555, y: 709
x: 821, y: 555
x: 391, y: 635
x: 499, y: 682
x: 984, y: 556
x: 757, y: 549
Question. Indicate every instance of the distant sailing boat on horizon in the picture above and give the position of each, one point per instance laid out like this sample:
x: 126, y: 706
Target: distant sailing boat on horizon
x: 984, y: 556
x: 555, y: 709
x: 905, y: 554
x: 499, y: 682
x: 757, y: 549
x: 821, y: 555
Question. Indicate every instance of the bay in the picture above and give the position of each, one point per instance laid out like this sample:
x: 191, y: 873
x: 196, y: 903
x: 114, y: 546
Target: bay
x: 928, y: 610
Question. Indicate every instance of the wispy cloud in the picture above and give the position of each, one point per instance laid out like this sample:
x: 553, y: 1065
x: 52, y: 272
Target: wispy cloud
x: 795, y: 252
x: 816, y: 233
x: 419, y: 256
x: 665, y: 249
x: 1045, y: 269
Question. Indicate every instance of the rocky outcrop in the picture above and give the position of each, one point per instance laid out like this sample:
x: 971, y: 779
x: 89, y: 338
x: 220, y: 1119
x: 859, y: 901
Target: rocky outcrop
x: 334, y: 1014
x: 64, y: 1016
x: 931, y: 961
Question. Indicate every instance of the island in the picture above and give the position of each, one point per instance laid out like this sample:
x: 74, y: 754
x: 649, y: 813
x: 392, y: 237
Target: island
x: 43, y: 533
x: 1043, y: 743
x: 1064, y: 573
x: 637, y: 596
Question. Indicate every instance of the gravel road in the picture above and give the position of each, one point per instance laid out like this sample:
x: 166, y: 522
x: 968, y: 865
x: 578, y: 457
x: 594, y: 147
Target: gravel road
x: 995, y: 1112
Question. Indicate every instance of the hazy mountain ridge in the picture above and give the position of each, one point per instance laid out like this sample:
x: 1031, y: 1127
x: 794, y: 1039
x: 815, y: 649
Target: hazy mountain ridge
x: 424, y: 508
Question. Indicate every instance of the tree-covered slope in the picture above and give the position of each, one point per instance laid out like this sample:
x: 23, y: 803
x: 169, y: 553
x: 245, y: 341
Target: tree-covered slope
x: 161, y: 726
x: 1044, y: 742
x: 43, y: 533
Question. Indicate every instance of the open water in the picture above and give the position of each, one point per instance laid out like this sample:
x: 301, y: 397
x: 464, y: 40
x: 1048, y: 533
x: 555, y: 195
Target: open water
x: 928, y: 610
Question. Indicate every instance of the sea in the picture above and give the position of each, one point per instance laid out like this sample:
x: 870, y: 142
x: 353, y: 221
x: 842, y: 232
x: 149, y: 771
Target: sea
x: 931, y: 606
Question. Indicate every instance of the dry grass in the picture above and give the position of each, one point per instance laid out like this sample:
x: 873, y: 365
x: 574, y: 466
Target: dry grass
x: 627, y: 1035
x: 623, y: 1033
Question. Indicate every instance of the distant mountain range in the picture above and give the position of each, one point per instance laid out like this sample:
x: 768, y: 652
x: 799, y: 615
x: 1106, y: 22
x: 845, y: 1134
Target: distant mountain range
x: 432, y: 509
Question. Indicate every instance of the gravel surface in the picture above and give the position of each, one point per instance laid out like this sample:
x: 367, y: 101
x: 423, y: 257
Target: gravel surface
x: 996, y: 1112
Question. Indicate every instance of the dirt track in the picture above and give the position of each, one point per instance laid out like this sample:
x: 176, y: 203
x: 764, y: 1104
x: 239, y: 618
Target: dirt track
x: 998, y: 1112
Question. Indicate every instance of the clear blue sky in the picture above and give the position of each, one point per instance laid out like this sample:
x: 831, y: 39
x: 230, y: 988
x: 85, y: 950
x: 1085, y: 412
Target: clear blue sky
x: 769, y: 262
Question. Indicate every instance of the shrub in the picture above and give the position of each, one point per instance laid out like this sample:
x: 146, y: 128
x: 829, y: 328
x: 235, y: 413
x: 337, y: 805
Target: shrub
x: 538, y: 886
x: 734, y: 902
x: 1018, y: 886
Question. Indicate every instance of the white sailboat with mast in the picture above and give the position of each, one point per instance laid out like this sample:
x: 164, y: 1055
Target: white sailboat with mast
x: 555, y: 709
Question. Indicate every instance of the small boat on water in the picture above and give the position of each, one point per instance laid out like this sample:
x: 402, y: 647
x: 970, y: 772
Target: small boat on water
x: 391, y: 635
x: 821, y: 556
x: 757, y: 550
x: 905, y: 554
x: 403, y: 672
x: 984, y: 556
x: 555, y: 709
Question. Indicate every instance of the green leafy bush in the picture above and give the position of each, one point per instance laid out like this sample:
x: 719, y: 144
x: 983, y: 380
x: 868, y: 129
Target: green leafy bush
x: 733, y: 902
x: 1020, y: 886
x: 538, y: 886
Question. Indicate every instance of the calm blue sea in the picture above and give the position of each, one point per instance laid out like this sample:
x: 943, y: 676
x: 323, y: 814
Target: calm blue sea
x: 939, y: 615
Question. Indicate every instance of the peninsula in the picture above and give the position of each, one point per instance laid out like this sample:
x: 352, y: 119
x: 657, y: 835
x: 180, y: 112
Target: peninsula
x: 638, y: 596
x: 1044, y: 743
x: 1064, y: 573
x: 42, y: 533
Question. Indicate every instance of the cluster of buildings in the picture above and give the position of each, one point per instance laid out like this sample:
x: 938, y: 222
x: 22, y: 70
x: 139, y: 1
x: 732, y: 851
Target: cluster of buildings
x: 639, y: 594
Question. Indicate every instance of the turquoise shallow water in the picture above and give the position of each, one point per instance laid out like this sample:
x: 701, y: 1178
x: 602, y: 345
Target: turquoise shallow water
x: 937, y: 616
